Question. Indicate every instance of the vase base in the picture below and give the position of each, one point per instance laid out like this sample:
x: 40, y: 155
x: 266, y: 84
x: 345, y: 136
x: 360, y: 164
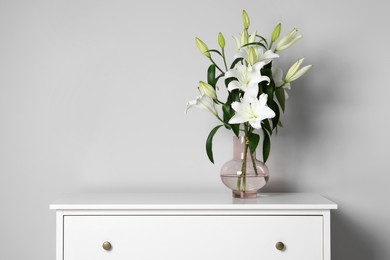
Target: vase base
x: 245, y: 195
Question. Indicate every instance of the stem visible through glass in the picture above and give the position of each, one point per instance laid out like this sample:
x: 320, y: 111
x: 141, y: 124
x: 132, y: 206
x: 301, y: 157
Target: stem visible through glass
x: 244, y: 164
x: 254, y: 163
x: 241, y: 184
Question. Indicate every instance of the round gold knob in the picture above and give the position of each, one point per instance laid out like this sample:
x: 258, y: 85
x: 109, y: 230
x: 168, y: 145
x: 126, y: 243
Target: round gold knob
x: 107, y: 246
x: 280, y: 246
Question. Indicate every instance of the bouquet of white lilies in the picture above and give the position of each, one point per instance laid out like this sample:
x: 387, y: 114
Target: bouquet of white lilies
x: 256, y: 90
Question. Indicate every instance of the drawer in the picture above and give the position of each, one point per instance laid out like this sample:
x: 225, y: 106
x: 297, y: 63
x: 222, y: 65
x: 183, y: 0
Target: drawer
x: 193, y: 237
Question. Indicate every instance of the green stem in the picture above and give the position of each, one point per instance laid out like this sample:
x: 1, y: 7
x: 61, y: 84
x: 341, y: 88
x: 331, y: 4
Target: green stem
x: 241, y: 181
x: 250, y: 130
x: 243, y: 169
x: 241, y: 185
x: 254, y: 163
x: 238, y: 185
x: 211, y: 59
x: 223, y: 122
x: 224, y: 59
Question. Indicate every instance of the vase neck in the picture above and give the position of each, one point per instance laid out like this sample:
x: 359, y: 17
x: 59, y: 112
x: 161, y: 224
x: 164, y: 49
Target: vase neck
x: 239, y: 148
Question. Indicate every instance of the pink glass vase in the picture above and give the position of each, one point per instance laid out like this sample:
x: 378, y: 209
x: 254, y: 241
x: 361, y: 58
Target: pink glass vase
x: 244, y: 174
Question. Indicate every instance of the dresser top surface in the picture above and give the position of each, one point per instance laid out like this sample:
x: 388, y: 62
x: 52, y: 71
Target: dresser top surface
x: 189, y: 201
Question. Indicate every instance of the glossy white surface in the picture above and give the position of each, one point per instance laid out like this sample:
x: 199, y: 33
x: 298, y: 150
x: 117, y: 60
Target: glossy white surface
x: 191, y: 201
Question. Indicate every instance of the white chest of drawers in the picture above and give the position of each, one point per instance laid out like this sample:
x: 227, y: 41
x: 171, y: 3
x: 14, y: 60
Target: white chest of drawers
x: 192, y: 227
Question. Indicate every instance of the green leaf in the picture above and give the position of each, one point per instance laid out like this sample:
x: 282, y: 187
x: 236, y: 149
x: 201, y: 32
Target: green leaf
x: 236, y: 129
x: 269, y: 66
x: 269, y: 89
x: 254, y: 43
x: 279, y: 92
x: 272, y: 104
x: 228, y: 113
x: 267, y: 126
x: 262, y: 38
x: 209, y: 143
x: 253, y: 142
x: 234, y: 95
x: 266, y: 146
x: 211, y: 76
x: 235, y: 62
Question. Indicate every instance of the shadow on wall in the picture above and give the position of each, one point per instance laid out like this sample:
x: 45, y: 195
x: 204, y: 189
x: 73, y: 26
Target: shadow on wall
x: 308, y: 125
x: 349, y: 240
x: 309, y: 112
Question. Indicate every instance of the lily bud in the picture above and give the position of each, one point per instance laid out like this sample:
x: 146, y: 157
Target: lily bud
x: 245, y: 19
x: 294, y: 72
x: 202, y: 47
x: 221, y: 40
x: 276, y: 33
x: 288, y: 40
x: 244, y: 38
x: 207, y: 90
x: 252, y: 57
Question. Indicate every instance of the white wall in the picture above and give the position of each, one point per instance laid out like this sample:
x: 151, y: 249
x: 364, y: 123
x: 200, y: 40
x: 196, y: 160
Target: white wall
x: 92, y: 95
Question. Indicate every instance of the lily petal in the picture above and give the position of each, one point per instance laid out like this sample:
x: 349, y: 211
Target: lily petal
x: 232, y: 73
x: 267, y: 113
x: 233, y: 85
x: 258, y: 65
x: 256, y: 124
x: 251, y: 110
x: 236, y: 106
x: 238, y: 119
x: 263, y: 99
x: 268, y: 56
x: 252, y: 90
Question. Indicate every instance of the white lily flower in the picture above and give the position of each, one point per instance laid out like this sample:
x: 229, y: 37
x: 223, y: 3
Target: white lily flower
x: 288, y: 40
x: 252, y: 110
x: 260, y: 55
x: 203, y: 102
x: 277, y: 74
x: 248, y: 78
x: 295, y: 72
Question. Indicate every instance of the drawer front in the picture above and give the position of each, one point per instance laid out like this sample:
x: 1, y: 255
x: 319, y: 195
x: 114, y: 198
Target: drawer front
x: 193, y: 237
